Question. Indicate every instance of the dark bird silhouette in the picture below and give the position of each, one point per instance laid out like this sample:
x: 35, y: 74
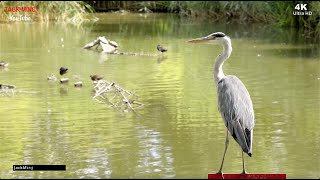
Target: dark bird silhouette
x: 161, y: 49
x: 63, y: 70
x: 96, y: 77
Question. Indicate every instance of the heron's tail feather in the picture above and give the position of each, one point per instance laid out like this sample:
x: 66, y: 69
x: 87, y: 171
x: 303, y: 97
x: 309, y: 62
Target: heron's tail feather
x: 249, y: 135
x: 242, y: 136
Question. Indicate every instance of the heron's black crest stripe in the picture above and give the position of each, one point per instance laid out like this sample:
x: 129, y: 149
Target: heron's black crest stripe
x: 218, y: 34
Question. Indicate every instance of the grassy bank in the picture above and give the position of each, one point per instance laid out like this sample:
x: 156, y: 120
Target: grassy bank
x: 74, y: 12
x: 278, y: 13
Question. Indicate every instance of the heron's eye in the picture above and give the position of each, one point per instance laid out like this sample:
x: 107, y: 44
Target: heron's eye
x: 213, y: 37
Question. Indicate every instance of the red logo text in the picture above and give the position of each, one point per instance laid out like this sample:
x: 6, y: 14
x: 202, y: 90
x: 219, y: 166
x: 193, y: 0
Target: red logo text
x: 20, y: 9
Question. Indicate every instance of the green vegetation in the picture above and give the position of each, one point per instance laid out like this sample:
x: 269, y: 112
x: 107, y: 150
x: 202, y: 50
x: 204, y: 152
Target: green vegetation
x: 62, y: 11
x: 278, y: 13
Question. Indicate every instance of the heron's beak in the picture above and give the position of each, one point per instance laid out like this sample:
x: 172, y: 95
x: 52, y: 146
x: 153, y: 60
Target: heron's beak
x: 199, y: 40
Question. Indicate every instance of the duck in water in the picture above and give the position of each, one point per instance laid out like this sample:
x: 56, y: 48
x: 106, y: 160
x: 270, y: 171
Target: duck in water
x: 3, y: 64
x: 63, y: 70
x: 96, y: 77
x: 161, y: 49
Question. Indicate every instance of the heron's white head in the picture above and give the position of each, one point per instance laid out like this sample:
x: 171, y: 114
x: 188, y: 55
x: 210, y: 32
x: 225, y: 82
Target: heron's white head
x: 215, y: 38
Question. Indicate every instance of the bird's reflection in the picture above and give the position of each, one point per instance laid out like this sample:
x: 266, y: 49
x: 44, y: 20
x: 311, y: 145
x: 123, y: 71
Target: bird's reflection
x: 161, y: 58
x: 103, y: 57
x: 63, y: 90
x: 4, y: 69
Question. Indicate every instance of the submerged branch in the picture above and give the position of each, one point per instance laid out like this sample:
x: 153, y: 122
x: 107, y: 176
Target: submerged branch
x: 114, y: 95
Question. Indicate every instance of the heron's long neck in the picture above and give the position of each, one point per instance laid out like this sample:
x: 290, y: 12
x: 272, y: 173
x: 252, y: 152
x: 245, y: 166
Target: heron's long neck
x: 218, y: 72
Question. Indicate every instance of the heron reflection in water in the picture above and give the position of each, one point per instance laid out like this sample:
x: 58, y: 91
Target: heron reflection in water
x: 234, y: 102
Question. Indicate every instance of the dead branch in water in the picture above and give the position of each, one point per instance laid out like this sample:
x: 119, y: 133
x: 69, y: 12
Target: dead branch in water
x: 111, y: 47
x: 108, y: 46
x: 115, y: 96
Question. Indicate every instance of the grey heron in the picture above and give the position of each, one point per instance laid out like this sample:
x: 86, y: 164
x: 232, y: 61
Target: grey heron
x: 234, y: 102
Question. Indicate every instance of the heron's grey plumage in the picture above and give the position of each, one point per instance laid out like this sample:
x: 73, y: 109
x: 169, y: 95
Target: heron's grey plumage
x: 234, y: 102
x: 236, y: 109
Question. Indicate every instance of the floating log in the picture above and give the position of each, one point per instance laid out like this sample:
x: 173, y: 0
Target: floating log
x: 108, y: 46
x: 111, y: 47
x: 133, y: 54
x: 7, y: 86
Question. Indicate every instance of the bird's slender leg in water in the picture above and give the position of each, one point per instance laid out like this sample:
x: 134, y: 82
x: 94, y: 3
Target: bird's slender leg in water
x: 243, y: 170
x: 224, y: 154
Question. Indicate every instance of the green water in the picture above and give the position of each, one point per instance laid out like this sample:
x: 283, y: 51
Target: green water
x: 179, y: 132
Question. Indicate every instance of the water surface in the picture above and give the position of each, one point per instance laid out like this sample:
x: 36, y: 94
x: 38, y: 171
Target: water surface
x: 179, y: 132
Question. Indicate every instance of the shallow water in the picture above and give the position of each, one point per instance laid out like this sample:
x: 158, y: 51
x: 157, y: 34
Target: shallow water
x: 179, y: 132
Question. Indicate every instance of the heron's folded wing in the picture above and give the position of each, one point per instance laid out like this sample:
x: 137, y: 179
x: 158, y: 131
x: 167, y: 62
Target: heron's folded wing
x: 236, y: 109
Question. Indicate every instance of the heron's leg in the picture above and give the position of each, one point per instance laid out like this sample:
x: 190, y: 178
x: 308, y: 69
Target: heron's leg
x: 224, y: 154
x: 243, y: 169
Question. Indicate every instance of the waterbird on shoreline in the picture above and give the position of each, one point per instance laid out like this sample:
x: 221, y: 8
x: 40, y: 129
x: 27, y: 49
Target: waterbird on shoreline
x: 63, y: 70
x: 161, y: 49
x: 96, y: 77
x: 234, y: 102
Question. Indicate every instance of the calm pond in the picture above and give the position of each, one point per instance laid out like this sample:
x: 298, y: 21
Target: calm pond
x: 178, y: 133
